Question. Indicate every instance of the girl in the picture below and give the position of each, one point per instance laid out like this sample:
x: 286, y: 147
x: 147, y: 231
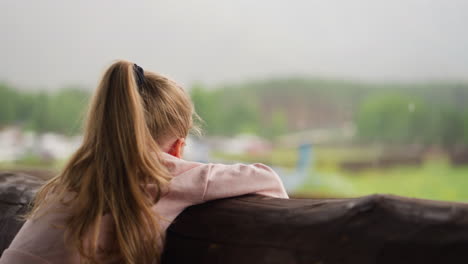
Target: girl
x: 125, y: 184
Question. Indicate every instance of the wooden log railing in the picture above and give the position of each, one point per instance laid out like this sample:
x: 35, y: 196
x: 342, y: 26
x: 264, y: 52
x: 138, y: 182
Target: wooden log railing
x: 255, y: 229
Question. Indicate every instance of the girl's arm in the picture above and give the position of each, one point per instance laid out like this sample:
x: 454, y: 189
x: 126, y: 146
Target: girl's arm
x: 224, y: 181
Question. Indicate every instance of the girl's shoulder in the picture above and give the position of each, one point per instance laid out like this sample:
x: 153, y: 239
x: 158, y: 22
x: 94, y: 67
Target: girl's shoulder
x: 41, y: 238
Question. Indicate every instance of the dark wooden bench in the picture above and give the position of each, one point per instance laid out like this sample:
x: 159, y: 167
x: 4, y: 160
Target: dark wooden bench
x: 255, y: 229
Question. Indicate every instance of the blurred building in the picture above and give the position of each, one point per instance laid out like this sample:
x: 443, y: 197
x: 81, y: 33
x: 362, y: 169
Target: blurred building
x: 15, y: 143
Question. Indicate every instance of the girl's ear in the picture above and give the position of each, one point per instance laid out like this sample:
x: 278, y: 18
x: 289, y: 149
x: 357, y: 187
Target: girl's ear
x: 177, y: 147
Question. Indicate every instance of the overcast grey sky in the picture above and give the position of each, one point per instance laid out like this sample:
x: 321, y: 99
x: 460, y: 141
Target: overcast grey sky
x: 51, y: 43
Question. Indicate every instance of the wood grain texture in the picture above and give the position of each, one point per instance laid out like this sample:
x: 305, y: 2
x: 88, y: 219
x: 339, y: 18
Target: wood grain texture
x: 371, y: 229
x: 16, y: 192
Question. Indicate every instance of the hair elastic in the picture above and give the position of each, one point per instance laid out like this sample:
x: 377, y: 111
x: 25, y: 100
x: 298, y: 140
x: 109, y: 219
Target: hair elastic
x: 139, y: 75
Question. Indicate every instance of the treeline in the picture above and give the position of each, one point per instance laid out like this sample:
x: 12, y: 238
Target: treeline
x: 389, y: 113
x: 426, y: 114
x: 233, y: 110
x: 403, y: 118
x: 61, y: 111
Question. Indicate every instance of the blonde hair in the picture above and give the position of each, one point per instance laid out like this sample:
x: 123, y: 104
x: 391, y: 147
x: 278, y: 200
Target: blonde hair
x: 120, y: 154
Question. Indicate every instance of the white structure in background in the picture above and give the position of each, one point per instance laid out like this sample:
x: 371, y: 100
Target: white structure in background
x: 197, y: 149
x: 243, y: 144
x: 201, y: 149
x: 319, y: 136
x: 57, y: 146
x: 15, y: 143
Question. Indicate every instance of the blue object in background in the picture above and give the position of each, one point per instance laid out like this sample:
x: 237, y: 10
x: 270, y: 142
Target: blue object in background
x: 292, y: 180
x: 305, y: 161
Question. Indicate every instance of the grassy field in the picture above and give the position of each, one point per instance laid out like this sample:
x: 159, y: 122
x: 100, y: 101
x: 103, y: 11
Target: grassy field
x: 33, y: 166
x: 435, y: 179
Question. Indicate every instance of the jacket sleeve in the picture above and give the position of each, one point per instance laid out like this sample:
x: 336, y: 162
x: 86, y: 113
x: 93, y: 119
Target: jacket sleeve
x: 224, y: 181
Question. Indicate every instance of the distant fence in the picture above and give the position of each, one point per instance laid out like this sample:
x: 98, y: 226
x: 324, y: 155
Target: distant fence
x: 256, y: 229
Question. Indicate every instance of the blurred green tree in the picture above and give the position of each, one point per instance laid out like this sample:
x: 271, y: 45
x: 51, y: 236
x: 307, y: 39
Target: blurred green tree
x: 226, y: 111
x: 66, y: 110
x: 278, y: 125
x: 42, y: 111
x: 392, y: 118
x: 8, y: 99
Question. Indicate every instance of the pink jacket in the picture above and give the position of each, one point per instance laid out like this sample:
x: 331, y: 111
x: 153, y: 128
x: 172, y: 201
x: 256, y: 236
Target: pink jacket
x: 38, y: 242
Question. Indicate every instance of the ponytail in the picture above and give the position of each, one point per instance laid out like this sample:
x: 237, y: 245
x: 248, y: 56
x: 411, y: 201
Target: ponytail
x: 108, y: 173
